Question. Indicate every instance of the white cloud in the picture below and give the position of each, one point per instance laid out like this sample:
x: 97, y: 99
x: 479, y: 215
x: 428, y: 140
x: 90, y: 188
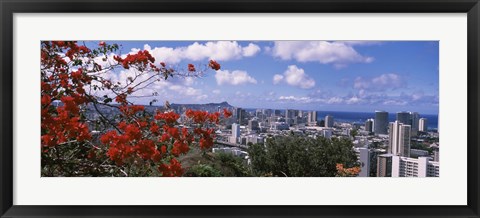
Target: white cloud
x: 219, y: 50
x: 250, y: 50
x: 338, y: 53
x: 216, y: 91
x: 277, y: 78
x: 236, y: 77
x: 297, y: 99
x: 353, y: 100
x: 295, y: 76
x: 335, y: 100
x: 395, y: 102
x: 383, y: 82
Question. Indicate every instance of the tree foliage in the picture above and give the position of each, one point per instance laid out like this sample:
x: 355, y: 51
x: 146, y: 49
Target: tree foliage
x: 295, y: 156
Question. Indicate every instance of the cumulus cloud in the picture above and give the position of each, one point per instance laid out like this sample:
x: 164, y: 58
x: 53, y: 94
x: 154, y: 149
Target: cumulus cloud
x: 218, y: 50
x: 250, y: 50
x: 338, y: 53
x: 295, y: 76
x: 236, y: 77
x: 383, y: 82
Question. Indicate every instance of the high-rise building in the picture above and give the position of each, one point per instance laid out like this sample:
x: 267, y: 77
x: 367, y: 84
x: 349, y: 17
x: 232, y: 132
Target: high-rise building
x: 253, y: 125
x: 364, y: 162
x: 369, y: 125
x: 312, y: 118
x: 422, y: 125
x: 413, y: 167
x: 436, y: 155
x: 381, y: 122
x: 384, y: 165
x: 235, y: 130
x: 403, y: 117
x: 288, y: 113
x: 277, y: 112
x: 267, y: 112
x: 399, y: 139
x: 328, y: 121
x: 414, y: 118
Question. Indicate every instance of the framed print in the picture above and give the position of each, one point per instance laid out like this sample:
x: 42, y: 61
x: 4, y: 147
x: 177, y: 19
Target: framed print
x: 245, y: 109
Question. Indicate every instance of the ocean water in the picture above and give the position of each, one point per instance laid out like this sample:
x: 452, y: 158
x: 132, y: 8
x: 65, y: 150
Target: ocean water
x: 361, y: 117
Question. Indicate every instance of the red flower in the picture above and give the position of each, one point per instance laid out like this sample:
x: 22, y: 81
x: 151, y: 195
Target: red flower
x: 165, y: 137
x: 191, y: 68
x: 46, y: 99
x: 169, y: 117
x: 227, y: 113
x: 214, y: 65
x: 101, y: 44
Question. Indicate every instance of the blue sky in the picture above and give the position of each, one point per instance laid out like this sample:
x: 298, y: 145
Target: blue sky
x: 359, y: 76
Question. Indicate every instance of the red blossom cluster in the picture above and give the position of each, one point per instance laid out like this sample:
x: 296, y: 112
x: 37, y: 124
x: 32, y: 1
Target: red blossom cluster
x: 141, y: 58
x: 203, y: 116
x: 191, y: 68
x: 135, y: 137
x: 63, y: 86
x: 172, y: 169
x: 214, y: 65
x: 65, y: 125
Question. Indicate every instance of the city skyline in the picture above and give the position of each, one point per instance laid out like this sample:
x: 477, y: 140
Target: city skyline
x: 360, y: 76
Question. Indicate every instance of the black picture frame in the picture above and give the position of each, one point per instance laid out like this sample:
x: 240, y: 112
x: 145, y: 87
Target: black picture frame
x: 9, y: 7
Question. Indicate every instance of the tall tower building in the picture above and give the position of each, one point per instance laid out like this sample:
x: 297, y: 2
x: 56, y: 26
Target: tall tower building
x: 312, y: 118
x: 415, y: 117
x: 384, y: 165
x: 328, y: 121
x: 381, y: 122
x: 369, y: 125
x: 253, y: 124
x: 422, y: 125
x: 235, y: 130
x: 399, y: 139
x: 403, y: 117
x: 364, y: 162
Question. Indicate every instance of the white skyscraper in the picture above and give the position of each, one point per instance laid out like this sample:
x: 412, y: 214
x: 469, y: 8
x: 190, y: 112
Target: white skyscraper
x: 422, y: 125
x: 364, y: 162
x: 235, y: 130
x: 369, y: 125
x: 328, y: 121
x: 312, y: 118
x: 399, y: 139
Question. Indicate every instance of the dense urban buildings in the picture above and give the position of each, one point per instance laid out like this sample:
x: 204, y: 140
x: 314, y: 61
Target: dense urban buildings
x: 401, y: 145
